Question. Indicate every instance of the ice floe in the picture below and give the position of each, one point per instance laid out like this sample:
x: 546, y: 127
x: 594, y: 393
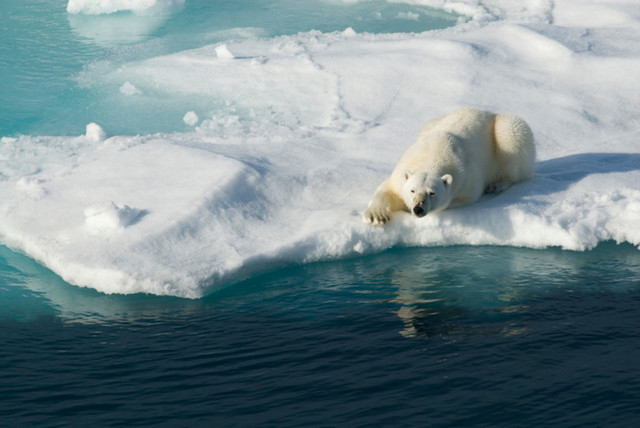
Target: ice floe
x: 308, y: 126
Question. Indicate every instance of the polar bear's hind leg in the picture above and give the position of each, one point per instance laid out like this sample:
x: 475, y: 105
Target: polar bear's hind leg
x: 515, y: 151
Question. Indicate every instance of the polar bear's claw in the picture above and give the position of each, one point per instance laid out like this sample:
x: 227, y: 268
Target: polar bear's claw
x: 377, y: 217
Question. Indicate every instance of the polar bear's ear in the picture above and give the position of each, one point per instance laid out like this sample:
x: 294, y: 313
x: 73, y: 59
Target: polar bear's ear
x: 406, y: 175
x: 447, y: 179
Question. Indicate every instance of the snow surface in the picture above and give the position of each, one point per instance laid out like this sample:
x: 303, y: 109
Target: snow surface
x: 310, y: 125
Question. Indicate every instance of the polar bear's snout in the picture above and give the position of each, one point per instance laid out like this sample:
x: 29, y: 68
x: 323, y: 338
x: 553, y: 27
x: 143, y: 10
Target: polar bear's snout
x: 421, y: 203
x: 419, y: 211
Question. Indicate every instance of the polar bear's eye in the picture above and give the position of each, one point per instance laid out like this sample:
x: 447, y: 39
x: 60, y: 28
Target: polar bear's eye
x: 413, y: 191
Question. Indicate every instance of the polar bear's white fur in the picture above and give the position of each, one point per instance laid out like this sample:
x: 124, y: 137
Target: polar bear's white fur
x: 454, y: 160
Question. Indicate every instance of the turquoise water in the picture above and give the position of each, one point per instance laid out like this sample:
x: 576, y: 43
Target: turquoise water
x: 45, y: 51
x: 453, y: 336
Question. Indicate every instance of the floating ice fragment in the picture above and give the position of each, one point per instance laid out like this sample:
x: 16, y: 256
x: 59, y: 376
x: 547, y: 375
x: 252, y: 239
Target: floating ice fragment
x: 190, y: 118
x: 128, y: 89
x: 106, y: 217
x: 408, y: 15
x: 223, y: 52
x: 95, y: 133
x: 285, y: 184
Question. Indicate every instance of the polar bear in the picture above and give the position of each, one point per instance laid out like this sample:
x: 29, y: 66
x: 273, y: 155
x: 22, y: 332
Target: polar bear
x: 454, y: 160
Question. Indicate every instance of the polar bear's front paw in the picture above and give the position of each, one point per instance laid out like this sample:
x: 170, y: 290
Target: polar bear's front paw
x: 377, y: 215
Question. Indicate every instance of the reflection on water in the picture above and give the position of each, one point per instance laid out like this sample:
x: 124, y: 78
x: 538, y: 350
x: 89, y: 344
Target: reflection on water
x: 122, y: 28
x: 29, y: 291
x: 489, y: 284
x: 109, y: 27
x: 448, y: 291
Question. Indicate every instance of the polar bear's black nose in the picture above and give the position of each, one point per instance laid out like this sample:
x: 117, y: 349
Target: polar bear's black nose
x: 418, y: 211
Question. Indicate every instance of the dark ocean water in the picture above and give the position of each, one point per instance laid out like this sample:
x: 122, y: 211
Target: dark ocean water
x: 456, y: 336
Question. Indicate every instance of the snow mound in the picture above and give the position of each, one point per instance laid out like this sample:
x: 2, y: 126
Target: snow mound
x: 95, y: 133
x: 223, y: 52
x: 107, y: 217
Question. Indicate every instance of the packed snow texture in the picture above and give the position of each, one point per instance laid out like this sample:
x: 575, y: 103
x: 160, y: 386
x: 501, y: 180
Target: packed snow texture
x: 310, y: 125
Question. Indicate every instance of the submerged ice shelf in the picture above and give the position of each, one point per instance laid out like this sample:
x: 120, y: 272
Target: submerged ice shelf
x: 308, y: 126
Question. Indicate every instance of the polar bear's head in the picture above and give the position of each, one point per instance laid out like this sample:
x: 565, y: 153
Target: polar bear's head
x: 423, y: 193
